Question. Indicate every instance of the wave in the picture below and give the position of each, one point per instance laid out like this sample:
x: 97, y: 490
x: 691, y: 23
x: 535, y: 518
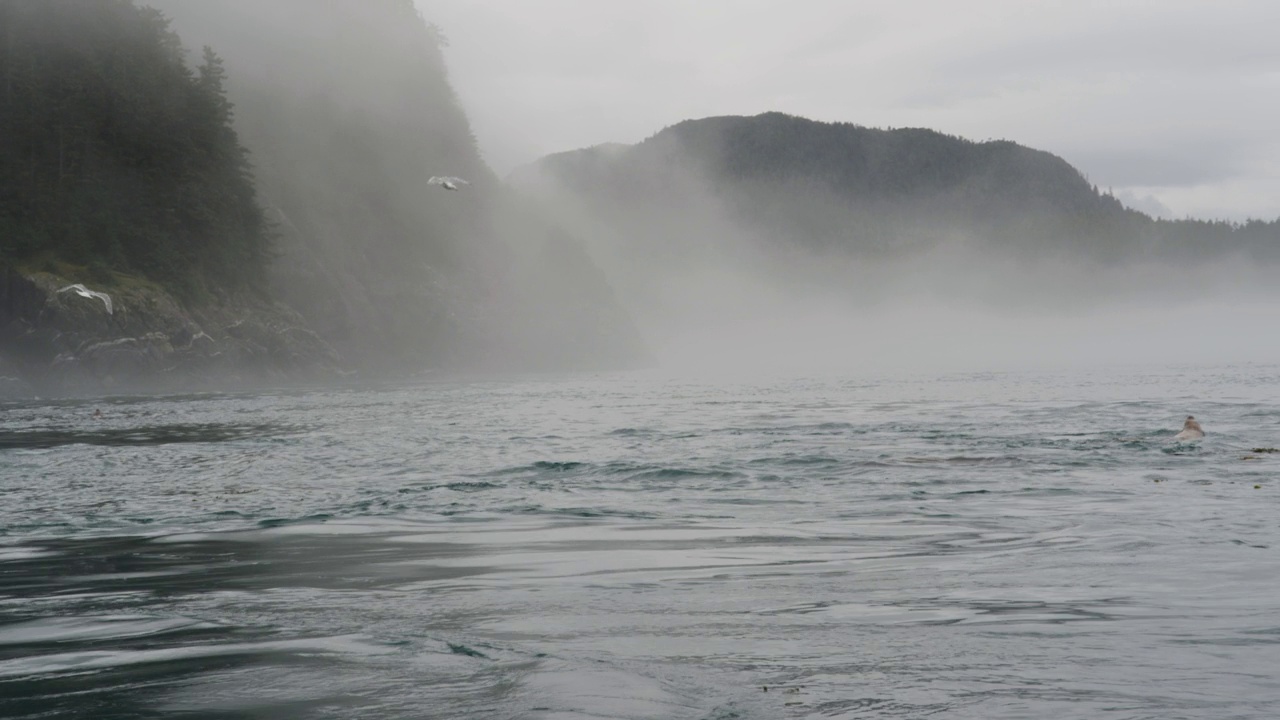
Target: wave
x: 156, y: 435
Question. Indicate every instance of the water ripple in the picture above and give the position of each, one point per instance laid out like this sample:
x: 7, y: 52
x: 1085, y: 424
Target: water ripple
x: 988, y: 545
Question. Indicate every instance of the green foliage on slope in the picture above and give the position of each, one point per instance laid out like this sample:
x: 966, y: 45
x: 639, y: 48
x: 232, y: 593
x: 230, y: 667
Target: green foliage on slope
x: 117, y: 154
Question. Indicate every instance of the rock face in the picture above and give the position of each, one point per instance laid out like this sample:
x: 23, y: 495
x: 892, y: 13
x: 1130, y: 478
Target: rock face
x: 61, y: 343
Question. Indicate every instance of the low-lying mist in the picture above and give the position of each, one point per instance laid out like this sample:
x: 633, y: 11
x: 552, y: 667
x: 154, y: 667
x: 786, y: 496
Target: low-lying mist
x: 732, y: 325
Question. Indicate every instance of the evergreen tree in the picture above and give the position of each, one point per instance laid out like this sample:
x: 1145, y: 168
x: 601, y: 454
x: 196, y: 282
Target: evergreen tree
x: 116, y: 152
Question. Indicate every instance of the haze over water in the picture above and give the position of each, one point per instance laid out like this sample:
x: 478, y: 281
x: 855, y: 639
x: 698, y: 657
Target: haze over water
x: 984, y: 545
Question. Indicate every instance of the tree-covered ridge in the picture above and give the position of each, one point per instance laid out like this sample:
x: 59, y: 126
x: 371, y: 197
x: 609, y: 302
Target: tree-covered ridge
x: 839, y: 185
x: 116, y: 152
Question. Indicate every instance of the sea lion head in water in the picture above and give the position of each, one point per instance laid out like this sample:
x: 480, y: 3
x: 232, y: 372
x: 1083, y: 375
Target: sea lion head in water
x: 1191, y: 430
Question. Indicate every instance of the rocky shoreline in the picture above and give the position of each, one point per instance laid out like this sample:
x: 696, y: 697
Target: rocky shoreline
x: 60, y: 343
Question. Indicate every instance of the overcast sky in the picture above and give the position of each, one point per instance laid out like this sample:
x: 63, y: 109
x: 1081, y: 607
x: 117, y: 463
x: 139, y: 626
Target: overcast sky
x: 1172, y: 103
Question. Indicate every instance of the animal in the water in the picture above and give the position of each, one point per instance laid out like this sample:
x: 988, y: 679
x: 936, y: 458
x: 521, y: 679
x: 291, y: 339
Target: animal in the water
x: 1191, y: 430
x: 447, y: 182
x: 85, y: 292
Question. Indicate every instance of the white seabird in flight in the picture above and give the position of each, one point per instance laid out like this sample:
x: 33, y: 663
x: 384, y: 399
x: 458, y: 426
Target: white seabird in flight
x: 449, y: 183
x: 85, y: 292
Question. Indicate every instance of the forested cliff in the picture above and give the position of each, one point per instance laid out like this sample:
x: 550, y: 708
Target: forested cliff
x: 118, y: 154
x: 274, y: 205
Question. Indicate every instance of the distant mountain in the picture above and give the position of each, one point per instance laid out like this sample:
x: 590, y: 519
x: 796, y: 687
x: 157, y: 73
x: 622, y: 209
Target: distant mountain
x: 846, y: 193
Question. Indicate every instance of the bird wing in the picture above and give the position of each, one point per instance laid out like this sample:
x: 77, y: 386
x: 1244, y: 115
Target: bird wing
x: 105, y: 298
x: 85, y: 292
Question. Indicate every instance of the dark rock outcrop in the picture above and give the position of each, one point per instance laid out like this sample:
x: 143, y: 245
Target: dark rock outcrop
x: 61, y: 343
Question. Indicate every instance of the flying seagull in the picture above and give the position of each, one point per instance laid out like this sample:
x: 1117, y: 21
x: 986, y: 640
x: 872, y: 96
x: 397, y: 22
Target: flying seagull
x: 85, y: 292
x: 449, y: 183
x: 1190, y: 430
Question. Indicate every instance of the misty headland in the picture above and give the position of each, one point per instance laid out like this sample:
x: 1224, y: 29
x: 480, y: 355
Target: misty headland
x: 329, y: 122
x: 832, y: 245
x: 262, y: 212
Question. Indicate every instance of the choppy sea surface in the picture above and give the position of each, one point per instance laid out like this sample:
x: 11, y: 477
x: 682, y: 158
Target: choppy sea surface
x: 1005, y: 545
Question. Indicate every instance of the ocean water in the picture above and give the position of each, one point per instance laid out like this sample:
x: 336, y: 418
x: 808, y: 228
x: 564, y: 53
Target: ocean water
x: 1005, y: 545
